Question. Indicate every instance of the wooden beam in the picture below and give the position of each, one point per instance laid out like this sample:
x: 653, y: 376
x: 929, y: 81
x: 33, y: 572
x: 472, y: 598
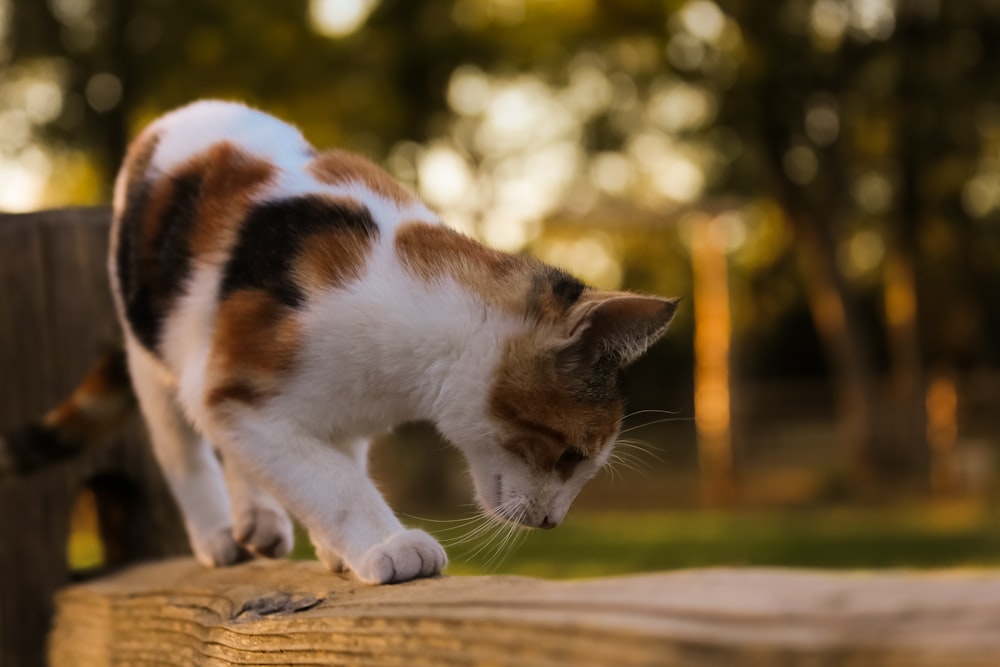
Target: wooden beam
x: 295, y: 613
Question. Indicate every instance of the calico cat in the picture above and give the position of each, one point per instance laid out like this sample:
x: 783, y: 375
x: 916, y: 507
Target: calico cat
x: 284, y: 306
x: 90, y: 417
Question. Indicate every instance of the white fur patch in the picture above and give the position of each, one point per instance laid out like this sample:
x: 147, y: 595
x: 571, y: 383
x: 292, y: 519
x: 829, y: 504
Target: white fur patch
x: 190, y: 130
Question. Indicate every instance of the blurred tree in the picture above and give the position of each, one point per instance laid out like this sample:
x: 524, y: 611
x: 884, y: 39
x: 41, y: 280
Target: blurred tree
x: 613, y: 121
x: 848, y: 111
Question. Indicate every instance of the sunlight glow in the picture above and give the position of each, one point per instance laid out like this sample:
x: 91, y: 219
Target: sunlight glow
x: 339, y: 18
x: 15, y: 129
x: 981, y: 193
x: 672, y: 170
x: 468, y: 90
x: 942, y: 431
x: 863, y: 253
x: 704, y: 20
x: 712, y: 335
x: 900, y: 294
x: 444, y: 176
x: 685, y: 52
x: 516, y: 150
x: 680, y: 107
x: 874, y: 19
x: 590, y: 91
x: 611, y: 172
x: 22, y: 181
x: 828, y: 21
x: 43, y: 100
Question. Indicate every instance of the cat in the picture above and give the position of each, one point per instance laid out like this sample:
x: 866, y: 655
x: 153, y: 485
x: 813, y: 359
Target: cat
x: 90, y: 417
x: 285, y: 305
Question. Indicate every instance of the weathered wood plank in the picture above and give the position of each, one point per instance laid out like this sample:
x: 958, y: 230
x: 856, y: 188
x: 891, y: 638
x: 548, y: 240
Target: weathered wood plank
x: 285, y: 613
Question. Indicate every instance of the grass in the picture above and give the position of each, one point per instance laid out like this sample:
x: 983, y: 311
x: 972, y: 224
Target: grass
x: 598, y: 544
x: 592, y: 544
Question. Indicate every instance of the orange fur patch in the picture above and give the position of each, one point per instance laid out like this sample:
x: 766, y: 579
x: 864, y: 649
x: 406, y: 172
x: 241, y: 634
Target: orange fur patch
x: 256, y: 341
x: 337, y: 166
x: 543, y: 413
x: 333, y: 258
x: 432, y: 252
x: 230, y: 179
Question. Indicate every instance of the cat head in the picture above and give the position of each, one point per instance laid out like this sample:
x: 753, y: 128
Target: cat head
x: 554, y: 405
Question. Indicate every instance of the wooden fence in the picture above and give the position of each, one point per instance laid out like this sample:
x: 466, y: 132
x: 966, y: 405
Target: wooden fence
x: 55, y: 314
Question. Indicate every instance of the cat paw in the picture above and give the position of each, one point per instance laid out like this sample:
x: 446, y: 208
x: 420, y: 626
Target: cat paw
x: 265, y: 531
x: 401, y: 557
x: 219, y: 549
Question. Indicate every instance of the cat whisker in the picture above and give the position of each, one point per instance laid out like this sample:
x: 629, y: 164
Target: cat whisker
x: 423, y: 519
x: 515, y: 534
x: 491, y: 535
x: 479, y: 528
x: 657, y: 421
x: 484, y: 523
x: 611, y: 471
x: 629, y: 457
x: 501, y: 523
x: 653, y: 411
x: 616, y: 461
x: 501, y: 546
x: 643, y: 449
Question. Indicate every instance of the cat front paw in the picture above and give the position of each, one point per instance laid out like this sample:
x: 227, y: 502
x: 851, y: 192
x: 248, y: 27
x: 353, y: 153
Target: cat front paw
x: 411, y: 554
x: 219, y: 549
x: 265, y: 531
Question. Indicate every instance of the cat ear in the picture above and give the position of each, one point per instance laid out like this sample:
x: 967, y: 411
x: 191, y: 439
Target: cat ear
x: 616, y: 329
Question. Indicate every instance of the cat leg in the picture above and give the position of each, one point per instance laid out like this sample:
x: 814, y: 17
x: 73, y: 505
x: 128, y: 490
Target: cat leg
x: 260, y: 523
x: 188, y: 463
x: 326, y: 488
x: 358, y: 450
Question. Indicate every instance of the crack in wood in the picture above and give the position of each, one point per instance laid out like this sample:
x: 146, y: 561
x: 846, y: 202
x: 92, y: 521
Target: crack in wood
x: 277, y: 603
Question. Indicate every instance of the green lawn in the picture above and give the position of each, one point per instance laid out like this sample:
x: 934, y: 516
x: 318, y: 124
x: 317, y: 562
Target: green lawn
x: 594, y: 544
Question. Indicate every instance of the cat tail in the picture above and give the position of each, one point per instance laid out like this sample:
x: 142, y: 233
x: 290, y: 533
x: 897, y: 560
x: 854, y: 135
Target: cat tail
x: 89, y: 418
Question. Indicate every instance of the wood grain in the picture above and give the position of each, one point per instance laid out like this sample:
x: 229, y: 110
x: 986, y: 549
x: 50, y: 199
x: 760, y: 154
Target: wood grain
x: 295, y: 613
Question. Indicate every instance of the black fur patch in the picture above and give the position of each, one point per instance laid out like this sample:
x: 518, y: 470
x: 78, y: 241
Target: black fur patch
x: 550, y: 285
x: 272, y: 236
x: 565, y: 288
x: 153, y: 277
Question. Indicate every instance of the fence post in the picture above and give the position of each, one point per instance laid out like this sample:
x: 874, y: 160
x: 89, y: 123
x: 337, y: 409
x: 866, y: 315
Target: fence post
x: 55, y: 314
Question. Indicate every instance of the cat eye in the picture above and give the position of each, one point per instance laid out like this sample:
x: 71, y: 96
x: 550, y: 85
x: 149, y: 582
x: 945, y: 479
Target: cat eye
x: 568, y: 459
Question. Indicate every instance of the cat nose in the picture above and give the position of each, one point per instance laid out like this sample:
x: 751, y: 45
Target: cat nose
x: 548, y: 523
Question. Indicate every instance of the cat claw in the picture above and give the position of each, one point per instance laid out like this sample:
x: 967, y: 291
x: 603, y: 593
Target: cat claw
x: 411, y: 554
x: 265, y: 532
